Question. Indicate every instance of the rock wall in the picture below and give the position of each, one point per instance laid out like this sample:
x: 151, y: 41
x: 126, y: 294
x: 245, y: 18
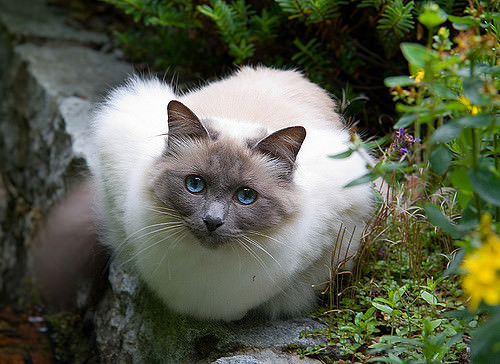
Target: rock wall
x: 51, y: 76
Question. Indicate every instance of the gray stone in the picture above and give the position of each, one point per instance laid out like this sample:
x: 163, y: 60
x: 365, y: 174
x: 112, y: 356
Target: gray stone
x: 73, y: 71
x: 266, y: 356
x: 133, y: 326
x: 46, y: 94
x: 32, y: 20
x: 239, y: 359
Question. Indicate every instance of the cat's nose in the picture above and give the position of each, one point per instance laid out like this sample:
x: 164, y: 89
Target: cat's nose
x: 212, y: 222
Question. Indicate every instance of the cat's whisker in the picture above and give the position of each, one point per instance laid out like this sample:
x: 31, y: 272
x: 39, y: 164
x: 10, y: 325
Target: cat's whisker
x: 145, y: 228
x: 261, y: 248
x: 163, y: 210
x: 172, y: 245
x: 161, y: 207
x: 234, y: 249
x: 253, y: 254
x: 145, y: 246
x: 262, y: 264
x: 164, y: 226
x: 252, y: 232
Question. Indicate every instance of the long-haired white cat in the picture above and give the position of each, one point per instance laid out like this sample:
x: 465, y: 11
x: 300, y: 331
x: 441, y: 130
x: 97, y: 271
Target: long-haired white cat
x: 225, y: 198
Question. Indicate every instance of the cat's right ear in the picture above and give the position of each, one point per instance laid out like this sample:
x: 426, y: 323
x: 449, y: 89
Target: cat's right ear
x: 283, y: 145
x: 183, y: 124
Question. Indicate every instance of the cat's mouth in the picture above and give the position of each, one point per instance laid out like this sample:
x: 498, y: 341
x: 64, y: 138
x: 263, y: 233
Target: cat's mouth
x: 213, y: 240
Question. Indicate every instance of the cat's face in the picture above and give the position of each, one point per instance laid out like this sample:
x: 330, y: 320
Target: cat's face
x: 222, y: 190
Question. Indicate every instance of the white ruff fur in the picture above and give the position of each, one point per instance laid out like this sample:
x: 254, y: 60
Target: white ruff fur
x: 275, y: 273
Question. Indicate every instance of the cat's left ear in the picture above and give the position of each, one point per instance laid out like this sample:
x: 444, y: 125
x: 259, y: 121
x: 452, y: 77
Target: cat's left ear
x: 283, y: 144
x: 183, y: 123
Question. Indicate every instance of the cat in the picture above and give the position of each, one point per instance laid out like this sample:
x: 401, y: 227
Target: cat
x: 225, y: 198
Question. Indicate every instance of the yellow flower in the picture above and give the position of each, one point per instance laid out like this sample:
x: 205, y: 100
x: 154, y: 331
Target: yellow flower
x: 464, y: 100
x: 482, y: 268
x: 419, y: 76
x: 472, y: 108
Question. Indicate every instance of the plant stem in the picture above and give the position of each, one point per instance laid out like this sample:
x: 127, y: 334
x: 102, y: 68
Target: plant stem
x: 475, y: 165
x: 496, y: 145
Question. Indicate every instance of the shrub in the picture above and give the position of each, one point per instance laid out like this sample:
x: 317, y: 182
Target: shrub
x: 337, y: 42
x: 442, y: 160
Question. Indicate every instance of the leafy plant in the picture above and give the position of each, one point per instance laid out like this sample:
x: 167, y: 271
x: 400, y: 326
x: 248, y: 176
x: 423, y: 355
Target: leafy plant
x: 441, y: 161
x: 333, y: 41
x: 397, y: 18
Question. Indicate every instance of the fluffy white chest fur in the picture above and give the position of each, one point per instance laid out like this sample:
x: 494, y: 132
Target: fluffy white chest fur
x: 218, y: 199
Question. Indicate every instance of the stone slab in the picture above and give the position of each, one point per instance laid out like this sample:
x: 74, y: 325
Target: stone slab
x: 33, y: 20
x: 133, y: 326
x: 74, y: 70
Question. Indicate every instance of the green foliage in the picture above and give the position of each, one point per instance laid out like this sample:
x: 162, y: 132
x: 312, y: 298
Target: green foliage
x: 391, y: 315
x: 312, y: 11
x: 442, y: 161
x: 178, y: 13
x: 240, y: 26
x: 451, y: 101
x: 334, y: 41
x: 398, y: 18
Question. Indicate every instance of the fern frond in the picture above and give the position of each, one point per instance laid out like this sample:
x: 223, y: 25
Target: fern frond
x: 310, y: 54
x: 266, y: 24
x: 232, y: 21
x: 397, y: 17
x: 377, y: 4
x: 311, y: 11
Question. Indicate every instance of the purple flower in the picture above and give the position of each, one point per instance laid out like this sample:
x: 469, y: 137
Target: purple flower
x: 400, y: 132
x: 403, y: 151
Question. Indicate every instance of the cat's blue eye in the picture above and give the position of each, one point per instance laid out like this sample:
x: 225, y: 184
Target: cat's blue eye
x: 246, y: 195
x: 195, y: 184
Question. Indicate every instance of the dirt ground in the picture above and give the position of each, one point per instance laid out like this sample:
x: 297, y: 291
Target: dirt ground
x: 23, y: 338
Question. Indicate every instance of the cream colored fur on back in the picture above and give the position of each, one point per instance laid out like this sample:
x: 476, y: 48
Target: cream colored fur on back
x: 227, y: 283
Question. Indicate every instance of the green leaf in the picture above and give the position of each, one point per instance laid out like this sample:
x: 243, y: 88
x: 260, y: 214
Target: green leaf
x: 392, y: 166
x: 461, y: 182
x: 437, y: 218
x: 406, y: 120
x: 416, y: 54
x: 375, y: 144
x: 397, y: 17
x: 454, y: 106
x: 462, y: 19
x: 399, y: 81
x: 486, y: 184
x: 475, y: 121
x: 404, y: 340
x: 446, y: 133
x: 431, y: 299
x: 461, y: 22
x: 343, y: 155
x: 432, y: 16
x: 485, y: 342
x: 472, y: 90
x: 366, y: 178
x: 440, y: 159
x: 384, y: 308
x: 455, y: 263
x: 441, y: 90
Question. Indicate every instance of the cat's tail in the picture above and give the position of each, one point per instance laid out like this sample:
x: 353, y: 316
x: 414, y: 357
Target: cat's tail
x: 68, y: 259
